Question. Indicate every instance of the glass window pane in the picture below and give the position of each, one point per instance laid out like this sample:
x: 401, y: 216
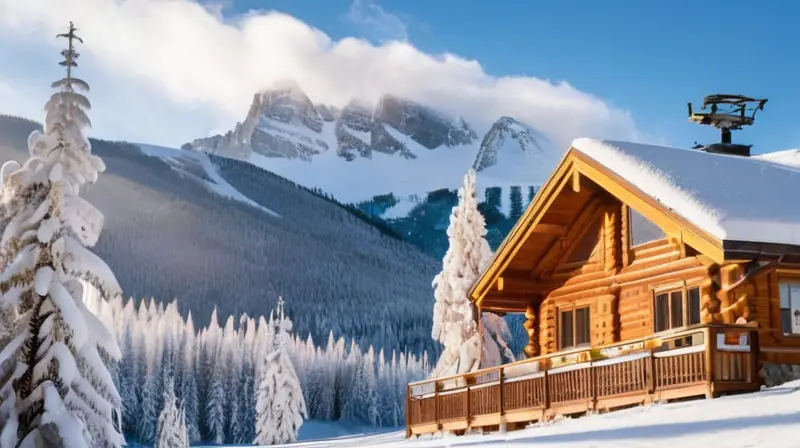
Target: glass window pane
x: 566, y: 329
x: 794, y: 296
x: 661, y: 311
x: 786, y: 320
x: 784, y: 292
x: 676, y: 309
x: 694, y: 306
x: 582, y: 327
x: 642, y: 229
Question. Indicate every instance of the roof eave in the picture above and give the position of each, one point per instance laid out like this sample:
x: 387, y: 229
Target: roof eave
x: 574, y: 160
x: 521, y: 229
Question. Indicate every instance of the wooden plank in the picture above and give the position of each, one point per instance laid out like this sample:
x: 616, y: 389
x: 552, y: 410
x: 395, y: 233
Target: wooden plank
x: 550, y: 229
x: 576, y: 181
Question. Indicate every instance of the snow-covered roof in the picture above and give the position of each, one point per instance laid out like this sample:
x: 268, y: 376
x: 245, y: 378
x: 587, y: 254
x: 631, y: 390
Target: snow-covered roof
x: 730, y: 197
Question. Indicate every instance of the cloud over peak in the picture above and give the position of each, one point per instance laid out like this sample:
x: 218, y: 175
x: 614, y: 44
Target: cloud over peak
x: 191, y: 73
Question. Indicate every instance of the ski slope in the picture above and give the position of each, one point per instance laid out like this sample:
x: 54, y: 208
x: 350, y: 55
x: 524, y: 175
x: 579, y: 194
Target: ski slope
x: 770, y: 418
x: 198, y: 165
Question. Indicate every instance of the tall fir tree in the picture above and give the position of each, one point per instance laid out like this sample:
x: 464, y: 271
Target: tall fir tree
x: 57, y: 351
x: 171, y: 428
x: 280, y: 406
x: 454, y: 323
x: 189, y: 382
x: 515, y: 200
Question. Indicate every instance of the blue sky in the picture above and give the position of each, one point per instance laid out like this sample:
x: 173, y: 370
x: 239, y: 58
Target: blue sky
x: 648, y: 57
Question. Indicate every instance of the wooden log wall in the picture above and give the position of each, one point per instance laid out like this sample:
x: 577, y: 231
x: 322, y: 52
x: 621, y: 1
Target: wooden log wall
x: 756, y: 302
x: 617, y: 282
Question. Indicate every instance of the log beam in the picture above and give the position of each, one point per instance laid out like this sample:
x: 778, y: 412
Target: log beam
x: 532, y: 349
x: 550, y: 229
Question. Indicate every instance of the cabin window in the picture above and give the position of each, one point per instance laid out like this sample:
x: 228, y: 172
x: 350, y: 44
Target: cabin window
x: 642, y: 230
x: 790, y: 307
x: 574, y: 327
x: 676, y: 308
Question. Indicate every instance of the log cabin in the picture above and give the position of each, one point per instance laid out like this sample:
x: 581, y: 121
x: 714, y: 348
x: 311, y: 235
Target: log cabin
x: 644, y: 273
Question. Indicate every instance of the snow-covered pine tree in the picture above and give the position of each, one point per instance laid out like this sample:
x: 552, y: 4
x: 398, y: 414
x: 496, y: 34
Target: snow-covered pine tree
x: 189, y: 383
x: 171, y: 429
x: 216, y: 399
x: 129, y: 374
x: 368, y: 390
x: 280, y: 406
x: 467, y: 256
x: 60, y: 390
x: 247, y: 393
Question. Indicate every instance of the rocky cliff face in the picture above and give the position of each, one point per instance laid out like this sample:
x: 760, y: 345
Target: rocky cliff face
x: 284, y: 122
x: 515, y: 141
x: 424, y: 125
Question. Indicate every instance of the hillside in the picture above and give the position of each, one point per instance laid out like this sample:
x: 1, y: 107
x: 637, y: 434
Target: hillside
x: 764, y: 419
x: 177, y: 228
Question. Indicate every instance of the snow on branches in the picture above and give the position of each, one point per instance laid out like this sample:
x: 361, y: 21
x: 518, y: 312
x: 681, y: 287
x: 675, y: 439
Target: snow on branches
x: 60, y: 388
x: 280, y: 405
x: 171, y: 431
x: 468, y: 254
x: 454, y: 323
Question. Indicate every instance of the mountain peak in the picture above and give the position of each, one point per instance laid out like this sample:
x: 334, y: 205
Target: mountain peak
x: 512, y: 146
x: 427, y: 126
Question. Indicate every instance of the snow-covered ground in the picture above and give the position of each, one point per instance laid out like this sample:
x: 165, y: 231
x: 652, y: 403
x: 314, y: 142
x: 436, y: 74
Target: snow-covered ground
x: 770, y: 418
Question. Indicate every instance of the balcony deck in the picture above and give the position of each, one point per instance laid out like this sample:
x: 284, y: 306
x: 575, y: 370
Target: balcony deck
x: 702, y: 361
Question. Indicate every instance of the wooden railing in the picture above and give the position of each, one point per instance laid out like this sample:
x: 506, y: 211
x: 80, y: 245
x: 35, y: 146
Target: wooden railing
x: 704, y: 360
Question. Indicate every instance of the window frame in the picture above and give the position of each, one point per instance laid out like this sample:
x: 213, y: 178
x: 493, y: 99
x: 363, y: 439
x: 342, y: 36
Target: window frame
x: 631, y: 245
x: 686, y: 315
x: 789, y: 281
x: 573, y: 308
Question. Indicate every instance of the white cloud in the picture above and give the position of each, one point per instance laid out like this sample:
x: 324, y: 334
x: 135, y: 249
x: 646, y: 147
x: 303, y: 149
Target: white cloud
x: 168, y: 71
x: 377, y: 21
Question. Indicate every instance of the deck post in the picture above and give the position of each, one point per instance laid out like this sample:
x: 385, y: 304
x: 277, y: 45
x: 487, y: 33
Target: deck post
x: 436, y: 405
x: 408, y: 411
x: 755, y: 354
x: 502, y: 375
x: 650, y: 373
x: 546, y: 381
x: 466, y: 405
x: 711, y: 348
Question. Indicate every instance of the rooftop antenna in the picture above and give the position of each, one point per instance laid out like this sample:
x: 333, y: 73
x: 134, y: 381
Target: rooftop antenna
x: 727, y: 113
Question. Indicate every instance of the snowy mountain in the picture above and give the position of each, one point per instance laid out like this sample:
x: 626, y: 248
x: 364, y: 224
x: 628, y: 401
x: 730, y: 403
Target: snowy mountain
x: 397, y: 147
x: 217, y: 232
x: 513, y: 152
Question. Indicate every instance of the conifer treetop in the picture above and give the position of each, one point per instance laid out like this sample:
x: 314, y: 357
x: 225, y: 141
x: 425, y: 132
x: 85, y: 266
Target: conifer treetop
x: 70, y: 60
x: 63, y: 139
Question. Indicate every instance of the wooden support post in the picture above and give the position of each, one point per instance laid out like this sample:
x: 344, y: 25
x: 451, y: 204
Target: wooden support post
x: 532, y: 349
x: 711, y: 348
x: 436, y: 405
x: 650, y: 373
x: 408, y: 411
x: 755, y: 355
x: 466, y: 403
x: 546, y: 382
x: 502, y: 375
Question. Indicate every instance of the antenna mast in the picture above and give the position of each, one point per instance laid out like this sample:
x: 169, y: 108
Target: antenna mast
x: 727, y: 113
